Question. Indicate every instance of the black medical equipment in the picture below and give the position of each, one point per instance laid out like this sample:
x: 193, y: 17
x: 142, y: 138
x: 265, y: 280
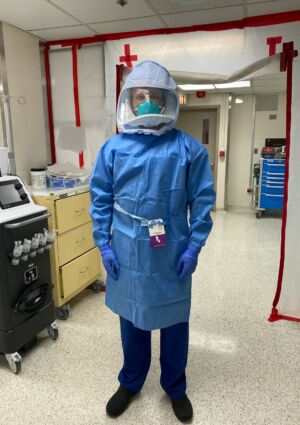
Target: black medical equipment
x: 26, y: 305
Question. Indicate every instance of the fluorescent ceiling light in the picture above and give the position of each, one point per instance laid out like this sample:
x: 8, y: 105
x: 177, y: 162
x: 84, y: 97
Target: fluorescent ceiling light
x: 196, y: 86
x: 236, y: 84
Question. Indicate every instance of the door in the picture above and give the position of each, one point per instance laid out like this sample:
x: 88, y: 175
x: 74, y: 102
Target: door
x: 202, y: 125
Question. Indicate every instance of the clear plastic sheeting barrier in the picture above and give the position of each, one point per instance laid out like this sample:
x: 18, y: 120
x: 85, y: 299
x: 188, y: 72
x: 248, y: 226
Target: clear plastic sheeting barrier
x: 198, y: 57
x: 92, y: 133
x: 226, y: 56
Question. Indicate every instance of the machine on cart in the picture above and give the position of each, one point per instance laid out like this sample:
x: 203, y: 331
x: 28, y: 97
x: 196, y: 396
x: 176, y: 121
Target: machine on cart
x: 26, y: 305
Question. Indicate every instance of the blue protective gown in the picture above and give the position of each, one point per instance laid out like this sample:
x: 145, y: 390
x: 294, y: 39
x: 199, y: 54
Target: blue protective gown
x: 151, y: 177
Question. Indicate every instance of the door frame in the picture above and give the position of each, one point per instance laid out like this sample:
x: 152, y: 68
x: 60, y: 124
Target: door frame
x: 220, y: 103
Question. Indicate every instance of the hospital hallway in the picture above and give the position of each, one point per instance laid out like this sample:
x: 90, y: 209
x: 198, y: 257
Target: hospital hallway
x: 242, y: 369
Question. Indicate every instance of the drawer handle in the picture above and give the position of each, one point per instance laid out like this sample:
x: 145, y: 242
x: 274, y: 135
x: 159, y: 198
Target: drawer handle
x: 267, y: 176
x: 275, y: 174
x: 84, y: 270
x: 80, y: 241
x: 79, y: 211
x: 272, y: 196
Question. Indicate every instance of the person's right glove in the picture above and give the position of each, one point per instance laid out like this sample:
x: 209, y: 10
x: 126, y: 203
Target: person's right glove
x: 187, y: 262
x: 110, y: 261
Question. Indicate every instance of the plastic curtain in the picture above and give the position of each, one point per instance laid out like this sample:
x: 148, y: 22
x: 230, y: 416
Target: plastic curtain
x: 69, y: 139
x: 210, y: 55
x: 220, y: 55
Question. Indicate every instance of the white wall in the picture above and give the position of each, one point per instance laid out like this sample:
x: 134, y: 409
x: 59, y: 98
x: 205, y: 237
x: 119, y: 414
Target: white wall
x: 264, y: 127
x: 240, y: 146
x: 1, y: 130
x: 219, y: 101
x: 241, y: 133
x: 22, y: 54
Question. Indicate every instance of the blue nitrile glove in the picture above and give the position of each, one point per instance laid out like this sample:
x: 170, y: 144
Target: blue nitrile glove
x: 187, y: 262
x: 110, y: 261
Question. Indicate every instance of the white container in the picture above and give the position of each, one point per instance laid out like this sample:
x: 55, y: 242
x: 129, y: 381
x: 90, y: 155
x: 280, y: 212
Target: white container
x: 38, y: 178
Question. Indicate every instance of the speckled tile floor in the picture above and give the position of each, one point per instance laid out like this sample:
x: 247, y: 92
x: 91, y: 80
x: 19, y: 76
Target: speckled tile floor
x: 242, y: 370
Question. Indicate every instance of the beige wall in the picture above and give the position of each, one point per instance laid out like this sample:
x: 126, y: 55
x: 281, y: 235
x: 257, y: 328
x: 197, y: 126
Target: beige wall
x: 240, y: 146
x: 1, y: 130
x: 233, y: 173
x: 22, y: 55
x: 219, y: 101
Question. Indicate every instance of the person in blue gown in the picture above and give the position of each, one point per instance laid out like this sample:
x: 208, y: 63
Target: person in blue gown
x: 152, y: 193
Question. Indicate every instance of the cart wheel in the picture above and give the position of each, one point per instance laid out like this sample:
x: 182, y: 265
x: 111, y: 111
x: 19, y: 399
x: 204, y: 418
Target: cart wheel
x: 96, y: 286
x: 258, y: 214
x: 62, y: 313
x: 53, y: 331
x: 14, y: 362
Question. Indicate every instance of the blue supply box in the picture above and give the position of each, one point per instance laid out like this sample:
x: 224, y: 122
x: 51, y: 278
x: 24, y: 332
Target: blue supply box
x: 61, y: 182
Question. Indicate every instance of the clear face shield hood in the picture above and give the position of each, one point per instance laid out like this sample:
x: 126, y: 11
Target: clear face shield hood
x: 146, y: 116
x: 148, y: 105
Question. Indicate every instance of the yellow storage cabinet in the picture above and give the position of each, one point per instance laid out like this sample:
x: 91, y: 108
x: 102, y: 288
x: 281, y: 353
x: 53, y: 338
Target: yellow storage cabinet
x: 75, y: 261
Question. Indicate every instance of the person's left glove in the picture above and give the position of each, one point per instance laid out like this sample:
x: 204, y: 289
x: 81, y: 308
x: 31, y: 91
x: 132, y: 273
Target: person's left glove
x: 110, y: 261
x: 187, y: 262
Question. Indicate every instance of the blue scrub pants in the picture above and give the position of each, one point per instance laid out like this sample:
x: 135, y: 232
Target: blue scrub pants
x: 136, y: 344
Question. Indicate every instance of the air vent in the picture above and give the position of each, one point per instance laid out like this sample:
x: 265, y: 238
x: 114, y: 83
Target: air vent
x: 267, y: 102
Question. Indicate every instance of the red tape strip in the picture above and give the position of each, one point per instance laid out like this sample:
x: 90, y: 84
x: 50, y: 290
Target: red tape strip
x: 76, y: 98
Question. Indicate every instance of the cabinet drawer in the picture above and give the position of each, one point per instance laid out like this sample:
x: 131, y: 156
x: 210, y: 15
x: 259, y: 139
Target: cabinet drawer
x: 72, y: 212
x: 274, y: 167
x: 80, y: 272
x: 75, y: 242
x: 272, y: 190
x: 274, y: 176
x: 275, y: 181
x: 271, y: 201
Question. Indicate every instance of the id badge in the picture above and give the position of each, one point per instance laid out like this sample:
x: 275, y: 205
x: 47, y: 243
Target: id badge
x: 157, y: 233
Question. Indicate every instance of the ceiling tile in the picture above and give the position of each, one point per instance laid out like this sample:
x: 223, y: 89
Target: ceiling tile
x: 258, y: 1
x: 274, y: 6
x: 204, y: 16
x: 33, y: 14
x: 279, y: 76
x: 271, y: 90
x: 105, y: 10
x: 167, y: 6
x: 127, y: 25
x: 63, y: 33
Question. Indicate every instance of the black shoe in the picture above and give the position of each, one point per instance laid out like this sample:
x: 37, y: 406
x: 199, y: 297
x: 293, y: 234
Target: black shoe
x: 119, y: 402
x: 183, y: 408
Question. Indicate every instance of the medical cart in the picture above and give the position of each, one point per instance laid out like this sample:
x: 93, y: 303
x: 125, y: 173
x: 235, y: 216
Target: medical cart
x: 270, y: 191
x: 75, y: 261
